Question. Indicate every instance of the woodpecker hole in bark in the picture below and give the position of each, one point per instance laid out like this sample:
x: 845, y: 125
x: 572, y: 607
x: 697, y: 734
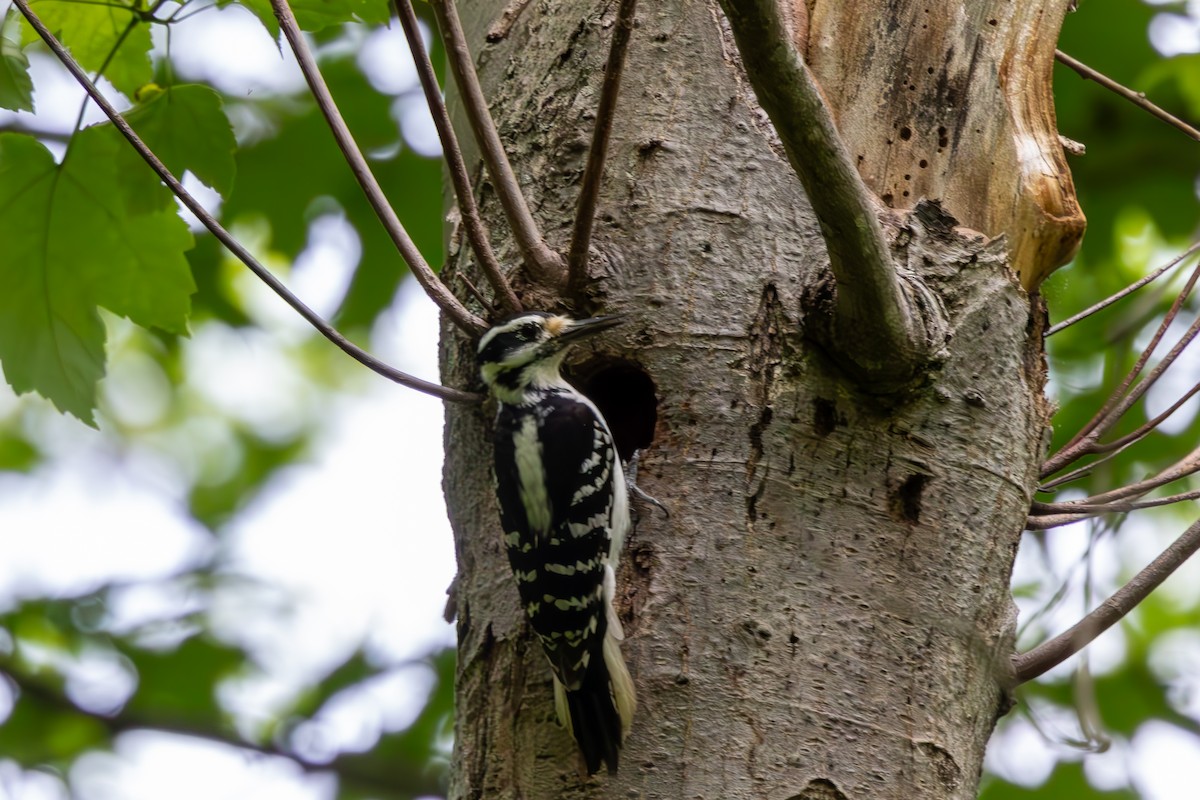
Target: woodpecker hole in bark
x: 626, y: 397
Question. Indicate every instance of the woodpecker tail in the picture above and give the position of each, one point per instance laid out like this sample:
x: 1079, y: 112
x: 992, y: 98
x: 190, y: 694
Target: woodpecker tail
x: 598, y: 714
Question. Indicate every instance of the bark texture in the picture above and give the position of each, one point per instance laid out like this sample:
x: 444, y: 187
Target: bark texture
x: 826, y: 613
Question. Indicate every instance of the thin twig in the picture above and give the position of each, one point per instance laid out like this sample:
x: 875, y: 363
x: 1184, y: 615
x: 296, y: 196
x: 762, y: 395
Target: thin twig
x: 405, y: 782
x: 1143, y: 386
x: 1043, y: 516
x: 1081, y: 472
x: 477, y: 234
x: 593, y: 172
x: 1146, y: 428
x: 1029, y: 665
x: 1128, y: 290
x: 1107, y: 417
x: 1080, y: 444
x: 222, y: 235
x: 1050, y: 521
x: 20, y: 126
x: 1056, y: 598
x: 112, y: 52
x: 544, y: 264
x: 473, y: 289
x: 1137, y: 98
x: 434, y: 288
x: 1188, y: 465
x: 1082, y: 506
x: 1052, y: 515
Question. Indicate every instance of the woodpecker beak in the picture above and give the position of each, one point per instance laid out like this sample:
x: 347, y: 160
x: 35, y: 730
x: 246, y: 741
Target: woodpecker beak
x: 584, y: 328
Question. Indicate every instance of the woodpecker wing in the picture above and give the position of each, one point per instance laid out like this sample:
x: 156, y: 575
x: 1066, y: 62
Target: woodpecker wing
x: 555, y: 464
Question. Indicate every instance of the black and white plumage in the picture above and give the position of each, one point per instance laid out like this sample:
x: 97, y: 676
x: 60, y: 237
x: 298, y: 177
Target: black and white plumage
x: 564, y: 508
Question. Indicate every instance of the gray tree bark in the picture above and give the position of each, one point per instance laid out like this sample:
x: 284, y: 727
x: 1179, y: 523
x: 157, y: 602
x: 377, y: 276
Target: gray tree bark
x: 826, y: 613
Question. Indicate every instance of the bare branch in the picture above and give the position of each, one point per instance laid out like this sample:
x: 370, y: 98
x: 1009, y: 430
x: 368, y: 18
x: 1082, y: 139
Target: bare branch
x: 1049, y: 521
x: 1128, y: 290
x: 1029, y: 665
x: 1188, y: 465
x: 222, y: 235
x: 1081, y: 472
x: 1083, y: 506
x: 473, y: 289
x: 20, y: 126
x: 434, y: 288
x: 1146, y: 428
x: 879, y: 327
x: 1137, y: 98
x: 1122, y: 399
x: 544, y: 264
x: 406, y: 782
x: 477, y: 234
x: 1137, y: 392
x: 589, y: 190
x: 1119, y: 445
x: 1052, y: 515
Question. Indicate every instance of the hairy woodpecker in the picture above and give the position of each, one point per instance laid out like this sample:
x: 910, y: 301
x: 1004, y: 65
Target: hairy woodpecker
x: 564, y: 508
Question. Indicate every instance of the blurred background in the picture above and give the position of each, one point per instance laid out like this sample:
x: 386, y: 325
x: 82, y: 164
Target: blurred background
x: 234, y: 585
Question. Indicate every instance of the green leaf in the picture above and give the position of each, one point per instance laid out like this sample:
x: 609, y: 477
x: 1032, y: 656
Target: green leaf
x: 214, y: 504
x: 351, y: 672
x: 17, y: 454
x: 269, y: 186
x: 70, y: 248
x: 101, y: 36
x: 315, y: 15
x: 179, y: 686
x: 187, y: 129
x: 40, y: 730
x: 1067, y: 781
x: 259, y: 8
x: 16, y: 89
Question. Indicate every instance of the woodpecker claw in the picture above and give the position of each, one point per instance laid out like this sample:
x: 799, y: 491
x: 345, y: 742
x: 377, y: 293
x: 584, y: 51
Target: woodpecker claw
x: 631, y: 480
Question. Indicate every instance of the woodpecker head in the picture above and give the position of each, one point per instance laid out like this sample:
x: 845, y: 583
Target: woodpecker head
x: 527, y: 350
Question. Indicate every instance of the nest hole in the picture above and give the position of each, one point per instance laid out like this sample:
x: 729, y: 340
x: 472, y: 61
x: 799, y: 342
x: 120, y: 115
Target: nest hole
x: 626, y: 397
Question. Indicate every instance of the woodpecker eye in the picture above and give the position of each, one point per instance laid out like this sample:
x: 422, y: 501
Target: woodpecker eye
x: 528, y: 332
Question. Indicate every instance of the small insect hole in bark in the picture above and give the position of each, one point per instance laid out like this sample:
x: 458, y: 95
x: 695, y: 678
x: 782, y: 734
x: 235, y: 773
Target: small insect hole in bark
x: 825, y: 418
x: 906, y: 501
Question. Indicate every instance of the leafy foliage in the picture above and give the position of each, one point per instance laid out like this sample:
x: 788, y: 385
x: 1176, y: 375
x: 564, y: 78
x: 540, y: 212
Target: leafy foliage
x: 108, y: 235
x: 16, y: 88
x: 96, y: 230
x: 111, y: 38
x: 91, y: 228
x: 1068, y: 781
x: 186, y: 128
x: 176, y: 690
x: 71, y: 247
x: 271, y: 188
x: 1137, y: 185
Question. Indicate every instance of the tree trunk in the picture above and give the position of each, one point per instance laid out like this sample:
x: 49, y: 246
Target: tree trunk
x: 826, y: 612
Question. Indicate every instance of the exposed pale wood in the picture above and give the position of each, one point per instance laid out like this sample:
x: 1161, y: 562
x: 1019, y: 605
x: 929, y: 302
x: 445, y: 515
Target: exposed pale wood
x: 947, y: 100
